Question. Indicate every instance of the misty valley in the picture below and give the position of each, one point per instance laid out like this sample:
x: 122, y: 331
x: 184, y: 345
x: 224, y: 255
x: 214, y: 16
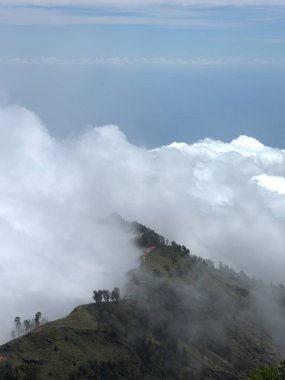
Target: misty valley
x: 180, y: 317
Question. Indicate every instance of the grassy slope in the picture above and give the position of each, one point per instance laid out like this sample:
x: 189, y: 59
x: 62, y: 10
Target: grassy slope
x: 244, y: 343
x: 60, y: 347
x: 141, y: 337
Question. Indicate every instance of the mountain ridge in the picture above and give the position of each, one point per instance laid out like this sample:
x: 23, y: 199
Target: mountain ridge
x: 180, y: 318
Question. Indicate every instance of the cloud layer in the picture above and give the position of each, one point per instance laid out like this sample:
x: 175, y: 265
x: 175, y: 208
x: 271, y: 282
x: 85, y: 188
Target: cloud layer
x: 187, y: 13
x: 224, y: 201
x: 141, y: 3
x: 54, y: 248
x: 150, y: 61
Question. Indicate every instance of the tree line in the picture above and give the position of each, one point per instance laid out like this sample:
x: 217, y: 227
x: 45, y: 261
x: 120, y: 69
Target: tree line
x: 106, y: 295
x: 27, y: 326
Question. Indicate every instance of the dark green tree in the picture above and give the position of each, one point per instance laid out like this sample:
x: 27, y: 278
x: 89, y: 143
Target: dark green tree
x: 97, y: 296
x: 27, y: 325
x: 115, y: 295
x: 37, y: 318
x: 106, y: 295
x: 18, y: 326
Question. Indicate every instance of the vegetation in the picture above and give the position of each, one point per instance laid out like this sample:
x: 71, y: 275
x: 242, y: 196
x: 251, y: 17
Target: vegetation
x: 181, y: 318
x: 273, y: 372
x: 147, y: 237
x: 99, y: 295
x: 27, y: 326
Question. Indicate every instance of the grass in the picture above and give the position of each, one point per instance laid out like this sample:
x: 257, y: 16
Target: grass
x: 186, y: 313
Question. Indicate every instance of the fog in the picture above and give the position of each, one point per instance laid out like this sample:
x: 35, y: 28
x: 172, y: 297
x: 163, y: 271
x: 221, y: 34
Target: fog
x: 225, y: 201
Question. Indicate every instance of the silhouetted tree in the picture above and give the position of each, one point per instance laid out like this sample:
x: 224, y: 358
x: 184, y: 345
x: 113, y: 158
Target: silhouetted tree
x: 106, y: 295
x: 18, y: 325
x: 97, y: 296
x: 27, y: 325
x: 37, y: 318
x: 115, y: 295
x: 185, y: 251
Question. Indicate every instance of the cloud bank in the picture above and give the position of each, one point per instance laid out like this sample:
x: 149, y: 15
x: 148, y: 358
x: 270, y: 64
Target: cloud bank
x: 149, y: 61
x: 186, y: 13
x: 224, y: 201
x: 54, y: 248
x: 141, y: 3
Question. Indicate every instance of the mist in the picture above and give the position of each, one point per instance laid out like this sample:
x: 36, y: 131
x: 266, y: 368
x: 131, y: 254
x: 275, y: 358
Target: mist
x: 56, y: 247
x: 225, y: 201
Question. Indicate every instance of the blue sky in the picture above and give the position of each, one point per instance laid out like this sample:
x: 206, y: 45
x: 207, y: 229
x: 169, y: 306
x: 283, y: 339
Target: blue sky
x: 162, y: 71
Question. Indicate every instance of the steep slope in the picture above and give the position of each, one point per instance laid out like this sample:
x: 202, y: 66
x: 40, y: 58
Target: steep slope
x: 181, y: 318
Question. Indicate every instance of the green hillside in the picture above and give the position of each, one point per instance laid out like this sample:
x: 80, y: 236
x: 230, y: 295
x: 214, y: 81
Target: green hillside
x: 181, y: 318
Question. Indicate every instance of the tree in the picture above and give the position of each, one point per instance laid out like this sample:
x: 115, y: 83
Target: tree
x: 18, y: 325
x: 185, y: 251
x: 100, y: 294
x: 97, y: 296
x: 27, y: 325
x: 115, y: 295
x: 106, y: 295
x: 37, y: 318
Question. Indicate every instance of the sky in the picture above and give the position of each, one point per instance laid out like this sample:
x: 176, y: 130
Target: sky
x: 170, y: 113
x: 162, y: 71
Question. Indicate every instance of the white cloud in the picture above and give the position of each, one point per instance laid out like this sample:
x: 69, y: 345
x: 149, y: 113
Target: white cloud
x: 272, y: 183
x: 141, y: 3
x: 206, y: 195
x: 150, y: 61
x: 164, y: 16
x: 53, y: 250
x: 187, y: 13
